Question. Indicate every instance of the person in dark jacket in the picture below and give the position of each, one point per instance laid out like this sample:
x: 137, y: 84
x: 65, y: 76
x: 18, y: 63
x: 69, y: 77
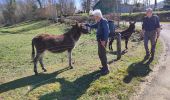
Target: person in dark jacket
x: 111, y: 28
x: 102, y: 37
x: 151, y: 31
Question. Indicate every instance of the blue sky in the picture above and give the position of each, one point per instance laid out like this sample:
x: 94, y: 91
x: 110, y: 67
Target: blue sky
x: 78, y: 4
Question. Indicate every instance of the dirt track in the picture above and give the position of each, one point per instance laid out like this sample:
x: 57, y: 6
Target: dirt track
x: 159, y: 87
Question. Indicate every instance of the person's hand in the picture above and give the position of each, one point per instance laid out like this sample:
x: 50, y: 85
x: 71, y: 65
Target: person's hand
x: 158, y: 32
x: 87, y: 25
x: 142, y: 33
x: 103, y: 43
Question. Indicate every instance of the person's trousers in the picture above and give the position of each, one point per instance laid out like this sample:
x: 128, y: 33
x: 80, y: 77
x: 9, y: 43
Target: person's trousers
x: 152, y: 36
x: 102, y: 55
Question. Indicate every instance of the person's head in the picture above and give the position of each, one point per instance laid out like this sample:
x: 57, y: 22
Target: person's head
x: 109, y: 17
x: 97, y: 14
x: 149, y: 12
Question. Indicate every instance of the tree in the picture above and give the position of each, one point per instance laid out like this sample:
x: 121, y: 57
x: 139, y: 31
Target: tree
x: 167, y: 2
x: 72, y: 7
x: 9, y: 11
x: 40, y: 3
x: 84, y: 5
x: 125, y: 1
x: 155, y: 6
x: 94, y: 2
x: 67, y: 7
x: 61, y: 3
x: 87, y: 5
x: 25, y: 10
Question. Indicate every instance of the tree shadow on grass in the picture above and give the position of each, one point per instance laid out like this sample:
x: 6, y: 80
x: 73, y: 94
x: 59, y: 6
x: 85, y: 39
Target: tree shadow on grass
x: 138, y: 69
x: 35, y: 26
x: 29, y: 80
x: 20, y: 24
x: 72, y: 90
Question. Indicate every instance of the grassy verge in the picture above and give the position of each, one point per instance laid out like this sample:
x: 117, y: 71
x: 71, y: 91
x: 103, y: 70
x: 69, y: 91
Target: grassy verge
x: 17, y: 81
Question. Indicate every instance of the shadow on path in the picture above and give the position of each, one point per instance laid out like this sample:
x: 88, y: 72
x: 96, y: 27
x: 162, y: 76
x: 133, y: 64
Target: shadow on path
x: 138, y: 69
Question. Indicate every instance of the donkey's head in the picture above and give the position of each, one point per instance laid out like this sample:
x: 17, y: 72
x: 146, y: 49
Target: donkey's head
x: 80, y: 28
x: 132, y: 26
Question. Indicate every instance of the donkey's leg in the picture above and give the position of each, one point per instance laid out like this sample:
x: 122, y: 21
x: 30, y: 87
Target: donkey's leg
x: 41, y: 63
x: 126, y: 43
x: 110, y: 44
x: 69, y: 58
x: 36, y: 59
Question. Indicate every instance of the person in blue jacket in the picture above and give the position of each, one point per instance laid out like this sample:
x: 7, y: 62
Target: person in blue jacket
x: 112, y: 29
x: 102, y: 37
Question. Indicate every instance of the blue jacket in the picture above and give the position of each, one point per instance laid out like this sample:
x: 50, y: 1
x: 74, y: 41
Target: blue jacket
x: 111, y: 26
x: 151, y: 24
x: 102, y: 29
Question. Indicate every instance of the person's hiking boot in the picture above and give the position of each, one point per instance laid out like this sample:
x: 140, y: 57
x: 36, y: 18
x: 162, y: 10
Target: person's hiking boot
x: 104, y: 70
x: 101, y: 68
x: 146, y: 56
x: 152, y: 57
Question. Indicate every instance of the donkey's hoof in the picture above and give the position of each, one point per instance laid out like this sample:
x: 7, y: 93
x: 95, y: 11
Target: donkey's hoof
x: 36, y: 73
x: 126, y: 50
x: 71, y: 67
x: 44, y: 70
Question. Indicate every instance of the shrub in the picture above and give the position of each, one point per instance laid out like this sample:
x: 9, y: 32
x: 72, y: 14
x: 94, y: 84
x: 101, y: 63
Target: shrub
x: 163, y: 15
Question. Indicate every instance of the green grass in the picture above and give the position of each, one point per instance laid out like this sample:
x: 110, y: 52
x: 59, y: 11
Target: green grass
x: 17, y: 80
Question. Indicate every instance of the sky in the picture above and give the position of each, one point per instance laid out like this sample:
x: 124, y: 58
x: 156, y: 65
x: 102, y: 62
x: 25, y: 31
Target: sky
x: 78, y: 3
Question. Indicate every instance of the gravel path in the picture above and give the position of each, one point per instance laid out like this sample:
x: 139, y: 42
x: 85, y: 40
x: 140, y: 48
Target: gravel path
x: 159, y: 87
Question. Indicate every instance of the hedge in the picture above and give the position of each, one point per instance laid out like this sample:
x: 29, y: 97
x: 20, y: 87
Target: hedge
x: 163, y: 15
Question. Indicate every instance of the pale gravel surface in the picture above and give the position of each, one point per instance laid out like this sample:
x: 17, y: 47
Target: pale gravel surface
x: 157, y: 83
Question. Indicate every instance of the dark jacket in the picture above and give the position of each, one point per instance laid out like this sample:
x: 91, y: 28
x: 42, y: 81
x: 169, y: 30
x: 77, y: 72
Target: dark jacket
x: 112, y: 28
x: 151, y: 24
x: 102, y: 29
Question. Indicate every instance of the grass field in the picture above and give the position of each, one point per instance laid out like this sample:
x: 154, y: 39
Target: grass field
x: 17, y: 80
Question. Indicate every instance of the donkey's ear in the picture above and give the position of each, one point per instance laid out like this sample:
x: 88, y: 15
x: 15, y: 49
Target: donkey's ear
x: 130, y: 22
x: 77, y: 24
x: 134, y: 22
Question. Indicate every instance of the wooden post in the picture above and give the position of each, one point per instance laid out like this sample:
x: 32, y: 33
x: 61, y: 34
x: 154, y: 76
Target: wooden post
x: 119, y: 51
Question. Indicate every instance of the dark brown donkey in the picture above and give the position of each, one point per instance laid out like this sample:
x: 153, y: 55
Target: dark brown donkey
x: 56, y: 44
x: 124, y: 35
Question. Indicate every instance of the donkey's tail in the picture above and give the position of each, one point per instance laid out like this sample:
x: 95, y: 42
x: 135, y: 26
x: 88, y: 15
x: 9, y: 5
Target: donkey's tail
x: 33, y: 51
